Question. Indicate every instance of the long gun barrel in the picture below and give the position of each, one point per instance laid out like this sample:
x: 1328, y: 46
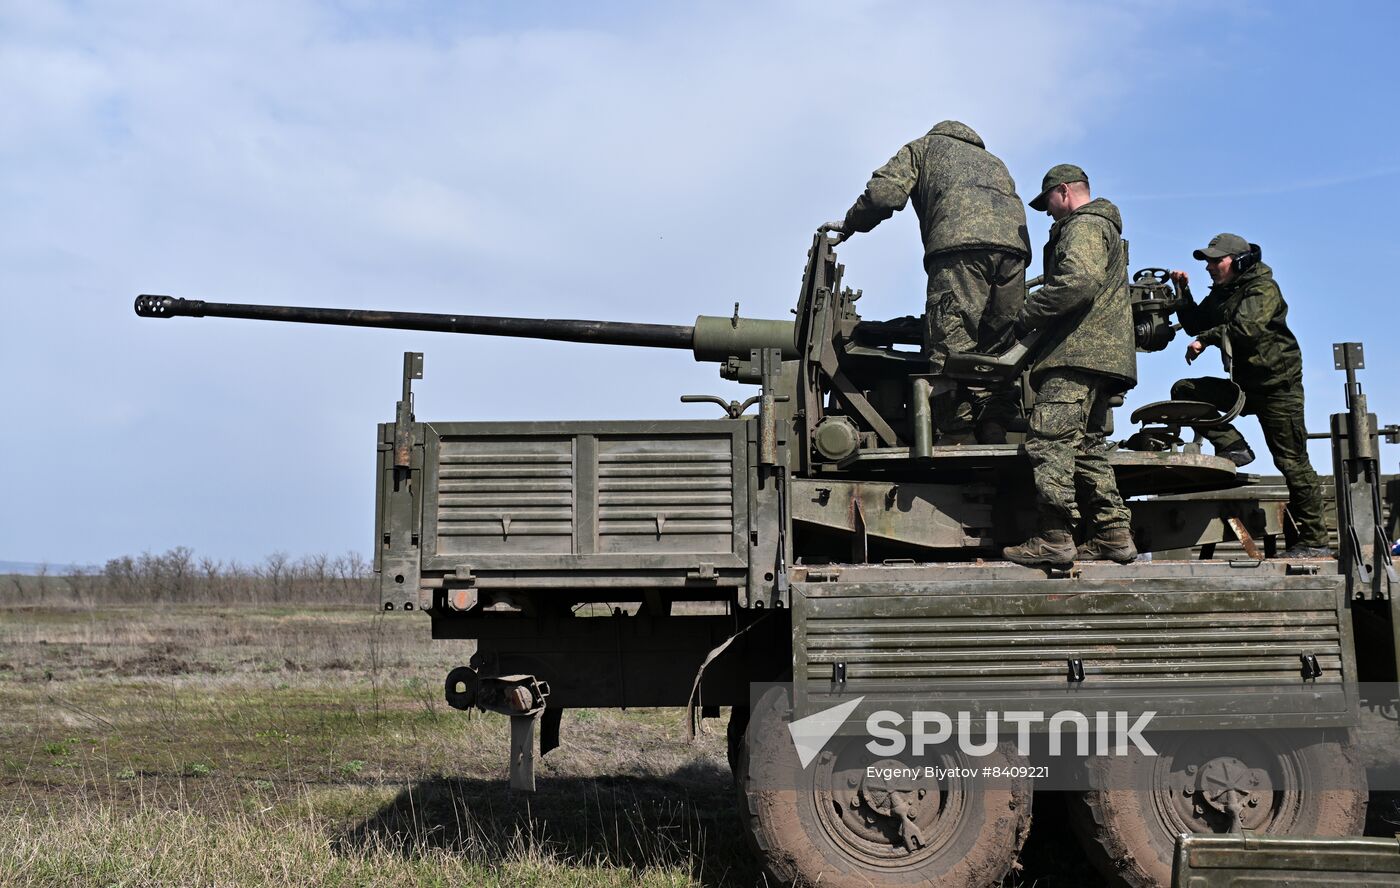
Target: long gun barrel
x: 710, y: 338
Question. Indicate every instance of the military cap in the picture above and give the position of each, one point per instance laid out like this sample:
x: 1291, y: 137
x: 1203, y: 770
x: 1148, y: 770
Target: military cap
x: 1224, y: 244
x: 1060, y: 174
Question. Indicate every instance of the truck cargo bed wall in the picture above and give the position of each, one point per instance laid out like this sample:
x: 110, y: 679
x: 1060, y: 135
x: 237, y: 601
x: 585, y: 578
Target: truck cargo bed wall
x: 1144, y: 631
x: 581, y: 505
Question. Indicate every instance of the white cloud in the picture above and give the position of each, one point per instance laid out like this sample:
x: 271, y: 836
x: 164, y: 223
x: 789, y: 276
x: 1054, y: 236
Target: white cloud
x: 653, y: 167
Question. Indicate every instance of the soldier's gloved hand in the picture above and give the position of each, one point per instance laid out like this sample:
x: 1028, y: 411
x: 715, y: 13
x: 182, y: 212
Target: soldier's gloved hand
x: 1019, y: 329
x: 1193, y: 351
x: 838, y: 228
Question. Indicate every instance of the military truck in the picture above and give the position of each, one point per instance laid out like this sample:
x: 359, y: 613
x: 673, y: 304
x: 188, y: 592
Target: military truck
x: 813, y: 550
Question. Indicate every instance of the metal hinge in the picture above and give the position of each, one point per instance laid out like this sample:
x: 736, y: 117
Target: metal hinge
x: 823, y: 574
x: 704, y: 573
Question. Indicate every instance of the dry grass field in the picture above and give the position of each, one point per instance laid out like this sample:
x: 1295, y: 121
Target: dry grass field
x: 241, y: 744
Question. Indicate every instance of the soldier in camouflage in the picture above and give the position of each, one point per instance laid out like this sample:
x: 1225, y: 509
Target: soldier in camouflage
x: 975, y: 251
x: 1245, y: 309
x: 1085, y: 359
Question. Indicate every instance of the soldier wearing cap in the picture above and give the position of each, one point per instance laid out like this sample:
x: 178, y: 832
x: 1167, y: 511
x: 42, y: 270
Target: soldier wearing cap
x: 1246, y: 308
x: 975, y: 251
x: 1085, y: 359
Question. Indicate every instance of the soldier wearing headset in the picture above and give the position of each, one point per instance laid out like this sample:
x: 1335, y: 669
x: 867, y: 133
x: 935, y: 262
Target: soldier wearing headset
x: 1246, y: 308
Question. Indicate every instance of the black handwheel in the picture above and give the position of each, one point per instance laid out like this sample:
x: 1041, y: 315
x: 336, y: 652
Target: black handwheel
x: 1150, y: 276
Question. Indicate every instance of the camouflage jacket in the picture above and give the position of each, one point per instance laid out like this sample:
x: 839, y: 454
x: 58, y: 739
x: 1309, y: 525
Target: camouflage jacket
x: 1251, y: 310
x: 1083, y: 306
x: 963, y: 195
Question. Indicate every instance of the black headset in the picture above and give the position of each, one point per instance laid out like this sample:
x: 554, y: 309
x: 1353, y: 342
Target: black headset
x: 1248, y: 259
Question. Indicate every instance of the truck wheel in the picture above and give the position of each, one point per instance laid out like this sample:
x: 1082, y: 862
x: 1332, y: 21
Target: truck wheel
x: 1296, y: 784
x: 734, y: 737
x: 834, y: 825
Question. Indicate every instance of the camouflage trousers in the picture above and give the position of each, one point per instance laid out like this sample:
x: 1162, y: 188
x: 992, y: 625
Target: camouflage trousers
x: 1069, y: 456
x: 1280, y: 413
x: 973, y: 297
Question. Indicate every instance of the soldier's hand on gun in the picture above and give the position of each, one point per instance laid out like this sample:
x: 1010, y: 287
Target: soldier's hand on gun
x: 1193, y: 351
x: 1179, y: 278
x: 838, y: 228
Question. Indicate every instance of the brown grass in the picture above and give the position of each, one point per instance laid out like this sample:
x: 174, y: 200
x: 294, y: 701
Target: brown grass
x: 254, y: 744
x: 231, y: 745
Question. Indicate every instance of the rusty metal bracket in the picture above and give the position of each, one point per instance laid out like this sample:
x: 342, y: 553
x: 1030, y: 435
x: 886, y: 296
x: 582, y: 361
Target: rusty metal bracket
x: 512, y: 695
x: 1251, y: 548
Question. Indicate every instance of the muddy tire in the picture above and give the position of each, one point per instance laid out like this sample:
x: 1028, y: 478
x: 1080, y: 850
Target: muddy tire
x: 825, y: 825
x: 1269, y: 784
x: 734, y: 738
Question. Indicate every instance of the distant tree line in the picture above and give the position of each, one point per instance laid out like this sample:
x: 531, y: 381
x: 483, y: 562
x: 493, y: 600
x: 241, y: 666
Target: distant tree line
x: 177, y: 576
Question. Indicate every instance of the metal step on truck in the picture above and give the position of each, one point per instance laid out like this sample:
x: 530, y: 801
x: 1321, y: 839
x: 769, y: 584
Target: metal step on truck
x: 813, y: 561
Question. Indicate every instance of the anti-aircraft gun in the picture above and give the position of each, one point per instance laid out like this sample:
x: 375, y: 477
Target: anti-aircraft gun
x: 842, y: 400
x: 827, y: 555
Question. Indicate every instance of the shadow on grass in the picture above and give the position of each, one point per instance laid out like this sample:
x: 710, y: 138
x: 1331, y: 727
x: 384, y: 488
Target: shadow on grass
x: 684, y: 821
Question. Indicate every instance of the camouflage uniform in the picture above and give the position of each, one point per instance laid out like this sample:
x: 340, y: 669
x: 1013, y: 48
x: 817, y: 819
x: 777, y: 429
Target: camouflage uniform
x: 1268, y: 365
x: 975, y: 250
x: 1086, y: 358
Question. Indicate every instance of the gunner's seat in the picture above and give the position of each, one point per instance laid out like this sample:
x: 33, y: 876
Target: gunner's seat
x: 1162, y: 421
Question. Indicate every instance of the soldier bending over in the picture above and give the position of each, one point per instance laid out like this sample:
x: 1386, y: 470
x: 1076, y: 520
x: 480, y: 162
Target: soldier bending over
x: 1246, y: 306
x: 1086, y: 358
x: 975, y: 251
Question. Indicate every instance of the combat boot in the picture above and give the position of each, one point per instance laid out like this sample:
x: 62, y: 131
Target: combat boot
x: 1241, y: 455
x: 1049, y: 548
x: 1109, y: 544
x: 1301, y: 551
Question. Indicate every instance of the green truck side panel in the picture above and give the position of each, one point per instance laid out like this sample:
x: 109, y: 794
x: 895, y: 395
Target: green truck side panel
x: 570, y: 504
x: 1246, y: 861
x: 1154, y: 635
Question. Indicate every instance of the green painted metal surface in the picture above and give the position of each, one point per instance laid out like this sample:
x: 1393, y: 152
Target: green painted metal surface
x: 1248, y: 861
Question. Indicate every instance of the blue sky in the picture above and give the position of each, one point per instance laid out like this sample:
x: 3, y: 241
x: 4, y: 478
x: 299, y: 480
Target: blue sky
x: 638, y: 161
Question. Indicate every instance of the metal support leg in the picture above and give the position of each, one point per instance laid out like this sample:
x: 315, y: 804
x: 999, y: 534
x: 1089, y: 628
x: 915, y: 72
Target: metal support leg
x: 921, y: 416
x: 522, y: 751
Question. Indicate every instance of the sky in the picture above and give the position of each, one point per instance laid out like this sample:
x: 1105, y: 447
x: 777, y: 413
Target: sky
x: 629, y: 161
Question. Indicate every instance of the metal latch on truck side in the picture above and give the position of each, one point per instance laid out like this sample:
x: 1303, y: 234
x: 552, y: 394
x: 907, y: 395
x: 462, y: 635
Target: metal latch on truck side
x: 403, y: 412
x: 1311, y: 668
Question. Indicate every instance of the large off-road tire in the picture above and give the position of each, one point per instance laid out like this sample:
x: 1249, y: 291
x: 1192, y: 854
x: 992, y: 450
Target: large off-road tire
x: 734, y: 738
x: 1280, y: 784
x: 831, y: 825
